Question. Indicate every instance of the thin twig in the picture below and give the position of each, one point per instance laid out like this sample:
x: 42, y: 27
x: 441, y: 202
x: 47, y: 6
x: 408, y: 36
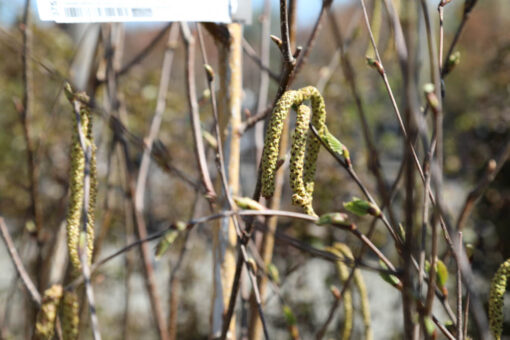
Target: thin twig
x: 260, y: 61
x: 466, y: 316
x: 460, y: 330
x: 480, y: 316
x: 18, y: 264
x: 144, y: 52
x: 254, y: 119
x: 166, y: 69
x: 373, y: 158
x: 493, y: 168
x: 263, y: 90
x: 195, y: 118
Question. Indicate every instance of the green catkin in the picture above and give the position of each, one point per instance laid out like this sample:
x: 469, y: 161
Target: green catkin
x: 301, y: 197
x: 272, y: 140
x: 310, y: 148
x: 496, y: 297
x: 45, y: 324
x: 362, y: 289
x: 77, y: 181
x: 70, y: 316
x: 343, y: 274
x: 313, y: 144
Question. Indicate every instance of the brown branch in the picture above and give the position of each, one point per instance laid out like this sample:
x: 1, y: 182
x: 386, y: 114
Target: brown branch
x: 25, y: 110
x: 493, y: 168
x: 194, y: 116
x: 141, y: 228
x: 460, y: 330
x: 157, y: 118
x: 267, y: 246
x: 254, y: 119
x: 220, y: 163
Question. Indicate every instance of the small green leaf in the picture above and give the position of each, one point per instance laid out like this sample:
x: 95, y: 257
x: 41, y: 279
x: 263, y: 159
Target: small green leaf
x: 290, y: 318
x: 169, y: 238
x: 335, y: 218
x: 430, y: 327
x: 248, y: 203
x: 333, y: 143
x: 442, y: 273
x: 391, y: 279
x: 361, y: 207
x: 401, y: 232
x: 209, y: 138
x: 273, y: 273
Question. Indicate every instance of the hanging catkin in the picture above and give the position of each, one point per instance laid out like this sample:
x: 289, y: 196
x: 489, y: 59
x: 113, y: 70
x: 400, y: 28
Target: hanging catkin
x: 45, y: 324
x: 305, y: 147
x: 77, y: 175
x: 496, y: 297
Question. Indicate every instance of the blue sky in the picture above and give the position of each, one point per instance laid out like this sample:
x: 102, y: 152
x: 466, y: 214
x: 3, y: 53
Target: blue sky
x: 307, y: 9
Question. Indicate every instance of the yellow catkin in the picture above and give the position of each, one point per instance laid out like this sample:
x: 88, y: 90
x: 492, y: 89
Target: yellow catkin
x: 70, y: 318
x: 45, y: 324
x: 313, y: 144
x: 301, y: 197
x: 77, y: 180
x: 343, y: 275
x: 272, y: 140
x: 310, y: 148
x: 496, y: 297
x: 362, y: 289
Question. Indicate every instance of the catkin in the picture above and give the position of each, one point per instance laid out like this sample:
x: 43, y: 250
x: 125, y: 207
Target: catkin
x: 343, y: 274
x: 45, y: 324
x: 272, y: 140
x: 496, y: 297
x: 301, y: 197
x: 309, y: 145
x: 70, y: 318
x: 313, y: 144
x: 77, y: 180
x: 362, y: 289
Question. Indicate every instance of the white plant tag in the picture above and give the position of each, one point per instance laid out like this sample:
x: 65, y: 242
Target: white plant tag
x: 75, y: 11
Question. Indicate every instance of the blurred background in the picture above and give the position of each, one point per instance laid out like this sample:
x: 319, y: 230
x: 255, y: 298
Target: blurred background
x: 476, y: 127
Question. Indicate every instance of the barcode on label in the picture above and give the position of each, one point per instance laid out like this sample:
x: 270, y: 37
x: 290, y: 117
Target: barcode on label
x: 78, y: 12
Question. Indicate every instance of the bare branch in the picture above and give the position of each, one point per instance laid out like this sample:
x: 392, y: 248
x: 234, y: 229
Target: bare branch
x: 13, y: 253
